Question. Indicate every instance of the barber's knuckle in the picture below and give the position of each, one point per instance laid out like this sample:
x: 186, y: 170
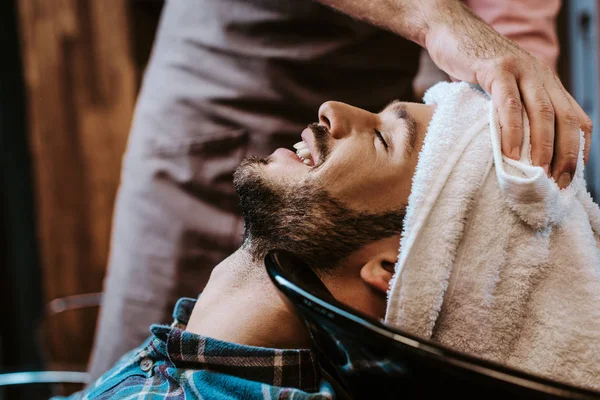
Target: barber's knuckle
x: 546, y: 147
x: 572, y: 120
x: 546, y: 111
x: 513, y: 103
x: 508, y: 62
x: 515, y: 129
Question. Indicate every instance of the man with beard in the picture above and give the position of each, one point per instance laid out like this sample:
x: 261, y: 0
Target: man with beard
x: 339, y: 204
x: 329, y: 203
x: 229, y: 78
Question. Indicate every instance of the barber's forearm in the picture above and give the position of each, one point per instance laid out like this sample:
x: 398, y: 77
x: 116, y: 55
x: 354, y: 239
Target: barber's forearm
x: 408, y: 18
x: 466, y: 48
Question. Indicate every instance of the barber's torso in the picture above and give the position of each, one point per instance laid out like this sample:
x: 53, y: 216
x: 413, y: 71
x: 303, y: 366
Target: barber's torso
x: 267, y: 65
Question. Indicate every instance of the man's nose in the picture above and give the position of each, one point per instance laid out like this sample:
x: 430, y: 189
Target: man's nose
x: 342, y: 119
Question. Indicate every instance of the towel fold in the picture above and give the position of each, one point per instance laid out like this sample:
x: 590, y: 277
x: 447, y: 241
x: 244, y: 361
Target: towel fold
x: 495, y: 260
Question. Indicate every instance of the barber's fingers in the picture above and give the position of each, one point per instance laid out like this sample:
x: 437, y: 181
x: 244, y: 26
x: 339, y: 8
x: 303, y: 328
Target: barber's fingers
x: 566, y: 142
x: 587, y: 128
x: 507, y: 100
x: 541, y: 121
x: 585, y: 123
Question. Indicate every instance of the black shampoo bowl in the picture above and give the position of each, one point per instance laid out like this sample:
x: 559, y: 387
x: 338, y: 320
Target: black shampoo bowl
x: 369, y: 359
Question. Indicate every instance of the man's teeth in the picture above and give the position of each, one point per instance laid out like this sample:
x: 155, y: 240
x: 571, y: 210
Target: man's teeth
x: 303, y: 153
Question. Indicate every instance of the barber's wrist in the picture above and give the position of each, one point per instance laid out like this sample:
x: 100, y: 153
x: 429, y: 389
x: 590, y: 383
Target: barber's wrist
x: 420, y: 21
x: 445, y: 17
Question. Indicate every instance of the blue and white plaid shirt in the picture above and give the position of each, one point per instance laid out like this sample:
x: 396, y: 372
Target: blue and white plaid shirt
x: 177, y: 364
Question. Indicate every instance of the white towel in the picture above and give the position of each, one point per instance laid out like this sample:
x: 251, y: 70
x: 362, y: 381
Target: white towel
x: 495, y: 260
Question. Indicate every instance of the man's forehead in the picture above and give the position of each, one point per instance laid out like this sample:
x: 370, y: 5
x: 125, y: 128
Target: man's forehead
x: 397, y: 108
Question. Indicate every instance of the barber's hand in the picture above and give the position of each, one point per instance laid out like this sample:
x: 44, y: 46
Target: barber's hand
x: 468, y: 49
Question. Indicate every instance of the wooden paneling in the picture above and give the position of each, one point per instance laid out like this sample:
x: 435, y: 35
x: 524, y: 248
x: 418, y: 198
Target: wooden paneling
x: 81, y: 86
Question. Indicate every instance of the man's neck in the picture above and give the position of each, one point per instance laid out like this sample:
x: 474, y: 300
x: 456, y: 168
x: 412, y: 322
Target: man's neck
x: 240, y: 304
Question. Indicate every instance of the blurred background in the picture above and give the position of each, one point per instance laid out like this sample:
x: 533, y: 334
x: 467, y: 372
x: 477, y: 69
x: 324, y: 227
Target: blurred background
x: 69, y: 76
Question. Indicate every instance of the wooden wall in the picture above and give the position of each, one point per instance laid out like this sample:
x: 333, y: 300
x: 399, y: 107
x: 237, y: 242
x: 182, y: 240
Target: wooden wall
x: 81, y: 83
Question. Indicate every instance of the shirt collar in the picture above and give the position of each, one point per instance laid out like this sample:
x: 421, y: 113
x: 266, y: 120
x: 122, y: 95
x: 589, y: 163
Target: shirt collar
x: 183, y: 311
x: 277, y: 367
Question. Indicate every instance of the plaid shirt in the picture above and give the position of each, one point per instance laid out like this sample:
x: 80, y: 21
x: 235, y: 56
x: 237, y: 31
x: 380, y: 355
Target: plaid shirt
x: 178, y: 364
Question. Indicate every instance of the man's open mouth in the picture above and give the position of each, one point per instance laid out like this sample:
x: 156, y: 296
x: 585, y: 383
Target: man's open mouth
x: 303, y: 153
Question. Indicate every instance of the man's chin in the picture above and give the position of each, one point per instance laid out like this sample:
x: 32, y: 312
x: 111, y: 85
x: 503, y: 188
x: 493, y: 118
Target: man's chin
x: 254, y: 161
x: 278, y: 171
x: 249, y: 170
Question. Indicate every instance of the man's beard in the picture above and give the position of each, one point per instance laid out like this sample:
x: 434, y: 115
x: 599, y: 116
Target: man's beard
x: 304, y: 219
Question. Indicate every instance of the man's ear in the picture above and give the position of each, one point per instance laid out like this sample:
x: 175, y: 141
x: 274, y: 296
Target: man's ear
x: 379, y: 270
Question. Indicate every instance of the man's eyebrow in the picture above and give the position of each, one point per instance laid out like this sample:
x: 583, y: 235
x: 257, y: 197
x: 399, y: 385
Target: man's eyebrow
x: 401, y: 112
x: 398, y: 109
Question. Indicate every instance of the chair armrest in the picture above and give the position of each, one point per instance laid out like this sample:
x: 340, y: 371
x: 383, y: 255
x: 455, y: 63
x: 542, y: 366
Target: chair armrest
x: 74, y: 302
x: 27, y: 378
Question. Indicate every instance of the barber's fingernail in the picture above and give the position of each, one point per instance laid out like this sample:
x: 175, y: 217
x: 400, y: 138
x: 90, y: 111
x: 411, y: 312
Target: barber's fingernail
x: 546, y: 169
x: 564, y: 180
x: 515, y: 153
